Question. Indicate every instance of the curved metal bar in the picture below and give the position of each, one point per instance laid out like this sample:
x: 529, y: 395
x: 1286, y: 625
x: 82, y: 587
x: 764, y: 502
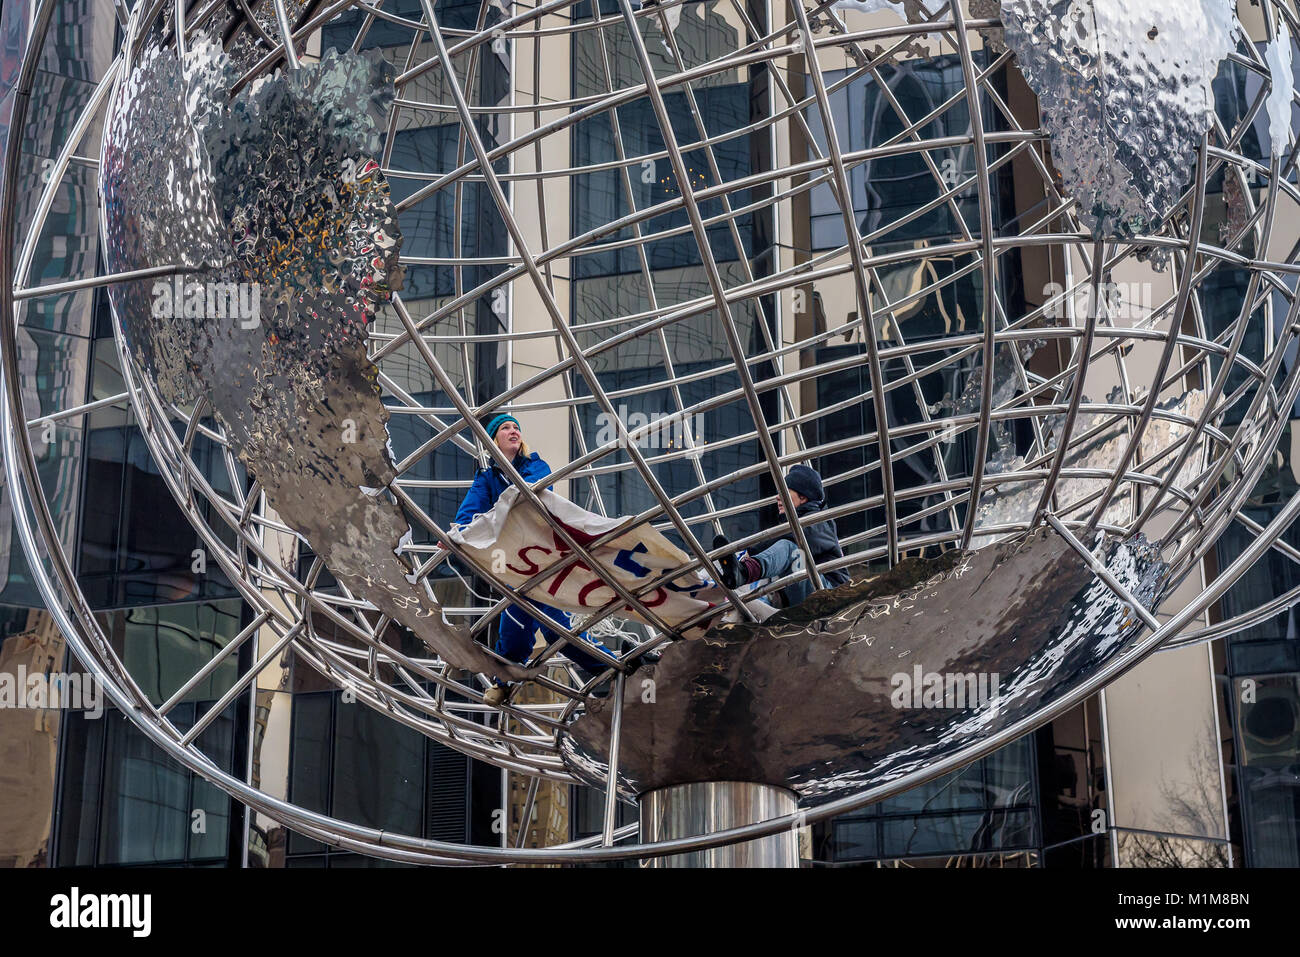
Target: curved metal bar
x: 1084, y: 348
x: 1171, y: 342
x: 284, y: 604
x: 1225, y: 370
x: 861, y: 289
x: 988, y: 274
x: 571, y: 344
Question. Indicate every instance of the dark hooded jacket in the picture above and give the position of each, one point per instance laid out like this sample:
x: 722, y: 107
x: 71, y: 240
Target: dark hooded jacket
x: 823, y: 542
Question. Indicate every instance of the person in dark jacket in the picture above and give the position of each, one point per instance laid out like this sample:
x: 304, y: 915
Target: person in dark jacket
x: 783, y: 556
x: 517, y: 628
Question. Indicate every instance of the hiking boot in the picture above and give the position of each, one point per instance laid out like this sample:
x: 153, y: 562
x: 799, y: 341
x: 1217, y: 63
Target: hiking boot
x: 496, y: 695
x: 728, y: 564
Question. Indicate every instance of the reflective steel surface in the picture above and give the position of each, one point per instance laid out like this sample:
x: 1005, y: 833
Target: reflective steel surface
x: 1124, y: 86
x: 1094, y: 455
x: 837, y: 694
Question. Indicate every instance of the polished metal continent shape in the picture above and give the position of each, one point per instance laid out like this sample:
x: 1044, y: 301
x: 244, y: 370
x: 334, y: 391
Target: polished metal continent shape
x: 249, y: 163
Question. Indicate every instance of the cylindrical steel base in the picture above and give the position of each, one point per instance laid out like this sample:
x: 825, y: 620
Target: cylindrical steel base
x: 689, y: 810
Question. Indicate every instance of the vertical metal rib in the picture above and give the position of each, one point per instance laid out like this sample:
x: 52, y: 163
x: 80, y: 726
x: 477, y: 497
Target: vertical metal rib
x: 286, y: 34
x: 860, y: 283
x: 1171, y: 341
x: 1229, y: 361
x: 989, y: 271
x: 611, y: 780
x: 1084, y: 350
x: 710, y: 266
x: 566, y: 334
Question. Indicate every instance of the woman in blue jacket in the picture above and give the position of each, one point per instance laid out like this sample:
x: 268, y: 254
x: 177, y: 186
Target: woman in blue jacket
x: 517, y: 627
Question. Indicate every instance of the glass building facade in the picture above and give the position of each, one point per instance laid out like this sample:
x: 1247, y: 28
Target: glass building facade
x: 78, y: 790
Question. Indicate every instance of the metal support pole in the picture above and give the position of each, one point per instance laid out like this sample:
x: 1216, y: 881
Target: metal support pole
x: 689, y: 810
x: 611, y: 785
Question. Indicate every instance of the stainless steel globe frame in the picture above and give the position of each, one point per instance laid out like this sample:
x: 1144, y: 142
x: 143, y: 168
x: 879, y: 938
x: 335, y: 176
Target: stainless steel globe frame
x: 282, y: 603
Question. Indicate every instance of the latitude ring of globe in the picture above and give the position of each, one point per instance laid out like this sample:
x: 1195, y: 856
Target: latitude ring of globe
x: 670, y: 426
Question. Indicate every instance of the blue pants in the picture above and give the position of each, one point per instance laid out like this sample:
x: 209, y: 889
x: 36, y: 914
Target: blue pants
x: 517, y: 629
x: 780, y: 559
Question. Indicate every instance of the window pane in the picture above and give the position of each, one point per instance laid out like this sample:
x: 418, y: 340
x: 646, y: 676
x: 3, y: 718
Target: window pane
x: 378, y: 770
x: 855, y: 840
x: 146, y: 813
x: 309, y: 777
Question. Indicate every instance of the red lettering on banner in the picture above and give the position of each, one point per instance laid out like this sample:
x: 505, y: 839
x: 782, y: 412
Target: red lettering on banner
x: 591, y: 586
x: 578, y: 535
x: 660, y: 596
x: 533, y: 568
x: 558, y: 580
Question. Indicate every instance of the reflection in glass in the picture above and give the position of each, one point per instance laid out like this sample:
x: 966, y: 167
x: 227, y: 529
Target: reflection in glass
x: 1269, y: 729
x: 123, y: 801
x: 989, y: 805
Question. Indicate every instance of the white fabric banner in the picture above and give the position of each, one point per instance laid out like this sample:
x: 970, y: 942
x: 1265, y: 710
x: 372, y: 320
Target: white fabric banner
x: 515, y: 542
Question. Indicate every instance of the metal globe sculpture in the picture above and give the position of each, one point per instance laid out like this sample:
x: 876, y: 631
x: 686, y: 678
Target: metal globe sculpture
x: 320, y: 310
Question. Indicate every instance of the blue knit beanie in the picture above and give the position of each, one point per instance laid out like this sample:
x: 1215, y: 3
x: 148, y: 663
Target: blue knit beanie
x: 499, y: 421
